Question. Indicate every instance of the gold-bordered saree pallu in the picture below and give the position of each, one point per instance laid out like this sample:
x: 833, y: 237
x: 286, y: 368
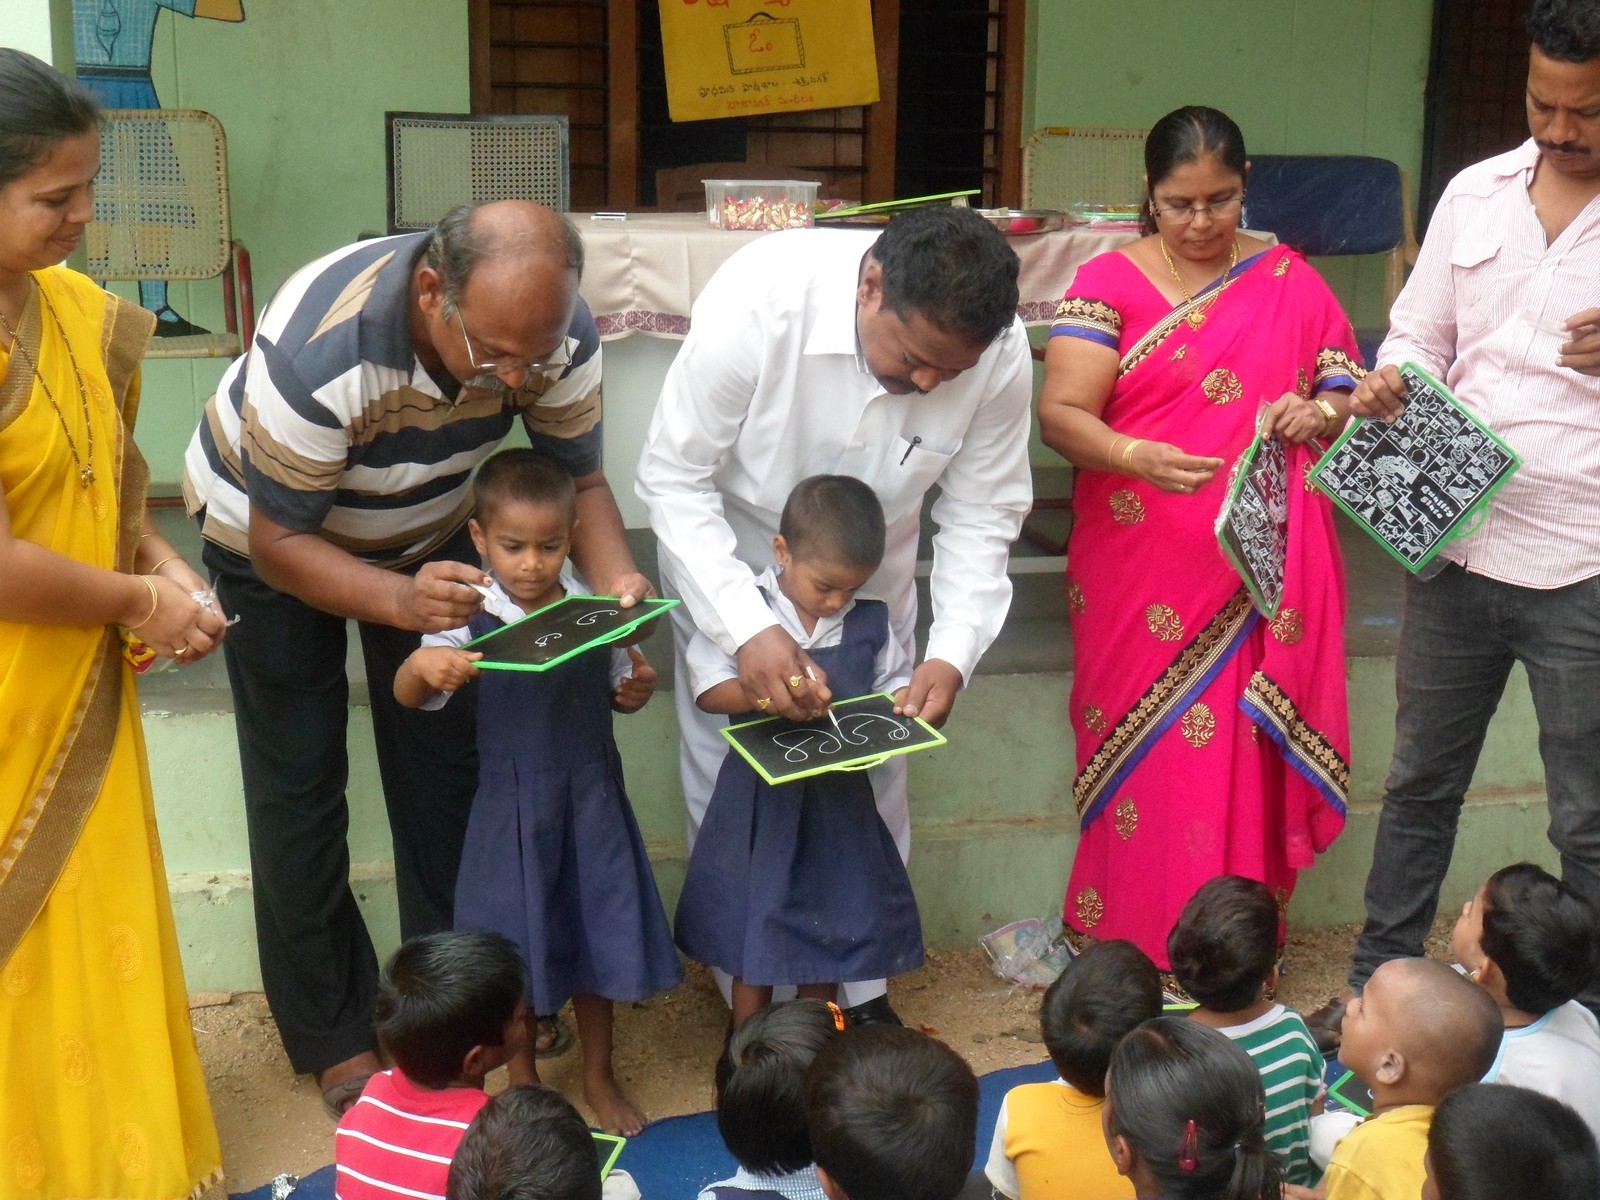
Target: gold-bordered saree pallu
x: 1209, y: 740
x: 103, y: 1092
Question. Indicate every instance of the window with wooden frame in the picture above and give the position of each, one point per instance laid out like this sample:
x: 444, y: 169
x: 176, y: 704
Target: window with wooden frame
x: 950, y: 114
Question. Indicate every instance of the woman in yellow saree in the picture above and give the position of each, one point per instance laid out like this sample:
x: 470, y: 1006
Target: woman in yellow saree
x: 102, y: 1090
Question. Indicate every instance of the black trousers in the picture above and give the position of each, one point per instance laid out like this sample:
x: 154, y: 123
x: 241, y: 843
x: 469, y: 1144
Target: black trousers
x: 286, y: 666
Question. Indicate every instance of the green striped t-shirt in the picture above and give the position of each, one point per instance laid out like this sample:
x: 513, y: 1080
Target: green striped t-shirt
x: 1291, y: 1067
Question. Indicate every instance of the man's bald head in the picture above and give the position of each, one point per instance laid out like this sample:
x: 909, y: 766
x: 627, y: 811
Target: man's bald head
x: 518, y: 236
x: 1447, y: 1027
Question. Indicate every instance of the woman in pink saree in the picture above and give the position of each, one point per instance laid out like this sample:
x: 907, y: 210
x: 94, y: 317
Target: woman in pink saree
x: 1210, y: 740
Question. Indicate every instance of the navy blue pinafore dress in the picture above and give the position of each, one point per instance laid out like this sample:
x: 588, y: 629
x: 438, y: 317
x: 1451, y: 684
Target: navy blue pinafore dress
x: 553, y: 858
x: 802, y: 883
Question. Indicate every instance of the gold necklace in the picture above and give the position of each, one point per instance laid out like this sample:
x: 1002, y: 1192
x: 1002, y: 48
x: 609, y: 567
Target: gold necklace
x: 85, y: 469
x: 1197, y: 316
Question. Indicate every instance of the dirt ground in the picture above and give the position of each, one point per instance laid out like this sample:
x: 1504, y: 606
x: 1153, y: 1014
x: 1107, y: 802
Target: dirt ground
x: 272, y: 1121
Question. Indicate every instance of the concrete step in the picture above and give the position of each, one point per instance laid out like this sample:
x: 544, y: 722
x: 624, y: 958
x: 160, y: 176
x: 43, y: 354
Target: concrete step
x: 992, y: 812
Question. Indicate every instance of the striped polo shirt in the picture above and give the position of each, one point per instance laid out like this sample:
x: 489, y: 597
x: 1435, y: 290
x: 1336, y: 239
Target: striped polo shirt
x: 330, y: 425
x: 1291, y: 1066
x: 396, y: 1142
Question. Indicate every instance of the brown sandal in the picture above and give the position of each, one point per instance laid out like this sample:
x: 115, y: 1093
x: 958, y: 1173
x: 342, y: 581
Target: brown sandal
x: 551, y: 1037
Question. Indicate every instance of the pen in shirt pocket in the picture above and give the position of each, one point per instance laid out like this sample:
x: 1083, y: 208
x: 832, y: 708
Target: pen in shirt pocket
x: 910, y: 446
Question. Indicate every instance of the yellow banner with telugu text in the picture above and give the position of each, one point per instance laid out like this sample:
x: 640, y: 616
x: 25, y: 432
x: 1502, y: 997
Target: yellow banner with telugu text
x: 737, y: 58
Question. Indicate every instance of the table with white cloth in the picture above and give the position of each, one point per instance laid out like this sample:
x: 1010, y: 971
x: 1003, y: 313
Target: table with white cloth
x: 641, y: 275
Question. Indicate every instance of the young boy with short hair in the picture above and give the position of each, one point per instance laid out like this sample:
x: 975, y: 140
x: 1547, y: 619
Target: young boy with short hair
x: 528, y: 1143
x: 1416, y: 1033
x: 1048, y: 1143
x: 449, y: 1011
x: 1528, y: 939
x: 893, y: 1116
x: 1224, y: 953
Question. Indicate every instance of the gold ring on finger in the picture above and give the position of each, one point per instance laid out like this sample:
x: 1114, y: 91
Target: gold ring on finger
x: 181, y: 650
x: 795, y: 681
x: 763, y: 703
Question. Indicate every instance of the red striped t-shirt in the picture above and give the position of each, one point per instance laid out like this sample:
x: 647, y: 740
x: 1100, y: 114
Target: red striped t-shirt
x: 397, y: 1141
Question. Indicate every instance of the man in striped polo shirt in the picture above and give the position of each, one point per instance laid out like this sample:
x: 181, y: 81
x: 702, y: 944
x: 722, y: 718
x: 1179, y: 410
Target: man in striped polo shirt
x: 330, y: 477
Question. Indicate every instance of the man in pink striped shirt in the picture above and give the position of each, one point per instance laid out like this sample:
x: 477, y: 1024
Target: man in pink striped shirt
x: 1502, y: 306
x: 449, y: 1010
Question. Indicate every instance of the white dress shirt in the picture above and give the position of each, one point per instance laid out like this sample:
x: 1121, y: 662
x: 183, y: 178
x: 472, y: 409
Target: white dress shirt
x: 1482, y: 312
x: 708, y: 665
x: 769, y: 388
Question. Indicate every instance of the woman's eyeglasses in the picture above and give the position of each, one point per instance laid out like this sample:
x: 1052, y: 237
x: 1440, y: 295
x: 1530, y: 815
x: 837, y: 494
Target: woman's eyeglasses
x: 490, y: 369
x: 1185, y: 214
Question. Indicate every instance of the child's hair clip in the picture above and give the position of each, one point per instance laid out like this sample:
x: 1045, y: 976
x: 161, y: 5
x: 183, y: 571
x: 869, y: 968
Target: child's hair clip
x: 838, y: 1015
x: 1189, y: 1148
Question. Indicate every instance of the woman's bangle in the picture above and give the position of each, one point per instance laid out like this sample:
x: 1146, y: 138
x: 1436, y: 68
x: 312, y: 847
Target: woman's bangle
x: 1111, y: 454
x: 156, y: 570
x: 155, y: 600
x: 1127, y: 454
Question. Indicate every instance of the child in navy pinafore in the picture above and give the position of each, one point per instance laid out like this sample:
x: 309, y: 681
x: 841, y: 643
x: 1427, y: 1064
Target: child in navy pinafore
x: 801, y: 883
x: 553, y: 857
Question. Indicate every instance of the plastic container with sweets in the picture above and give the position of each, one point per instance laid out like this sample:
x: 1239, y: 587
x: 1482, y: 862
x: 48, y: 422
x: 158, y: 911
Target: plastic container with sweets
x: 760, y: 204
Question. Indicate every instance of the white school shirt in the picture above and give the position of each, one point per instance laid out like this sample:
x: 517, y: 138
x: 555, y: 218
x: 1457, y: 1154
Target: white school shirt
x: 1559, y: 1055
x: 1482, y: 312
x: 498, y: 604
x: 708, y: 666
x: 770, y: 387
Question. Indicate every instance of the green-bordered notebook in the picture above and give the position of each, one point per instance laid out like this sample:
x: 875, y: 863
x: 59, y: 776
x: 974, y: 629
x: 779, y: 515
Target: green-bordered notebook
x: 561, y: 630
x: 1253, y: 526
x: 608, y: 1146
x: 869, y: 732
x: 1417, y: 483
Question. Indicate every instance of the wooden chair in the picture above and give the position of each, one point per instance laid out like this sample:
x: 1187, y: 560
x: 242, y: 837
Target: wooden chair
x: 161, y: 212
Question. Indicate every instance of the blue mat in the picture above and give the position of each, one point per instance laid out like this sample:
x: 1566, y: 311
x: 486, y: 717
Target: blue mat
x: 674, y: 1158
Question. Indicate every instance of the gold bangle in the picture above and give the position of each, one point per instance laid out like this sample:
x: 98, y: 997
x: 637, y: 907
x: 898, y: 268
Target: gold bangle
x: 1111, y: 454
x: 1127, y: 454
x: 157, y: 568
x: 155, y: 600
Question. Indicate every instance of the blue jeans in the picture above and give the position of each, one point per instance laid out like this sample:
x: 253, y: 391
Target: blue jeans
x: 1459, y: 635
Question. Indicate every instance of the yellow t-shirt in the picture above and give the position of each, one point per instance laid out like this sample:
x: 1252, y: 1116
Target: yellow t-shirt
x: 1048, y: 1146
x: 1381, y: 1158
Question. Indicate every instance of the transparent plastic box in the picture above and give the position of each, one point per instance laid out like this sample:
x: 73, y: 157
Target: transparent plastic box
x: 760, y: 204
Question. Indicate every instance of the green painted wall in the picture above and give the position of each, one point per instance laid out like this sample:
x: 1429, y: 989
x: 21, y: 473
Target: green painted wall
x: 301, y: 87
x: 1300, y: 77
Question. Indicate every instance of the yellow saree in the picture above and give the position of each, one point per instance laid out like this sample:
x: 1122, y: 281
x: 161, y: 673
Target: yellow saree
x: 103, y: 1093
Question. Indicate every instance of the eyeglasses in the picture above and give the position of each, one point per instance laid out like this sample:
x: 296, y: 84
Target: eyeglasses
x: 490, y: 369
x: 1186, y: 214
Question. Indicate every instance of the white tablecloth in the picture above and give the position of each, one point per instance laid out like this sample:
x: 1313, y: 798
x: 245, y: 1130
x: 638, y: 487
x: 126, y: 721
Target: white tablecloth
x: 642, y: 275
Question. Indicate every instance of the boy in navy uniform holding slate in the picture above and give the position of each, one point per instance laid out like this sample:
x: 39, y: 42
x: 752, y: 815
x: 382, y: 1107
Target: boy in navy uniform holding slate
x: 801, y: 883
x: 553, y: 858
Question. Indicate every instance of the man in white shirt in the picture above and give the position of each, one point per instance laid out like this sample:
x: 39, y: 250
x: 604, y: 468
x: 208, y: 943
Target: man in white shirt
x: 897, y: 359
x: 1501, y: 307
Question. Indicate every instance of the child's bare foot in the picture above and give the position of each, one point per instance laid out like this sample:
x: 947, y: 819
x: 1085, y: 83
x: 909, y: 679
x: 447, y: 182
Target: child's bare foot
x: 613, y: 1111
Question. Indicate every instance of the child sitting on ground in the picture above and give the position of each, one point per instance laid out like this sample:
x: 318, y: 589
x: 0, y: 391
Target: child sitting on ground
x: 1224, y: 952
x: 1048, y: 1144
x: 893, y: 1116
x: 1497, y: 1142
x: 1417, y: 1031
x: 1183, y: 1115
x: 761, y: 1099
x: 1529, y: 941
x: 801, y: 883
x: 528, y: 1143
x: 449, y: 1010
x: 553, y: 858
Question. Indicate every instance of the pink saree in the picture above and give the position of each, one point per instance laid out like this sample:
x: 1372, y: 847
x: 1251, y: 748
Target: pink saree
x: 1210, y: 740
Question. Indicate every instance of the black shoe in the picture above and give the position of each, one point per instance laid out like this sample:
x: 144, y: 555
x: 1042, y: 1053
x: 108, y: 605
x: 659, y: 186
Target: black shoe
x: 872, y: 1012
x: 1327, y: 1023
